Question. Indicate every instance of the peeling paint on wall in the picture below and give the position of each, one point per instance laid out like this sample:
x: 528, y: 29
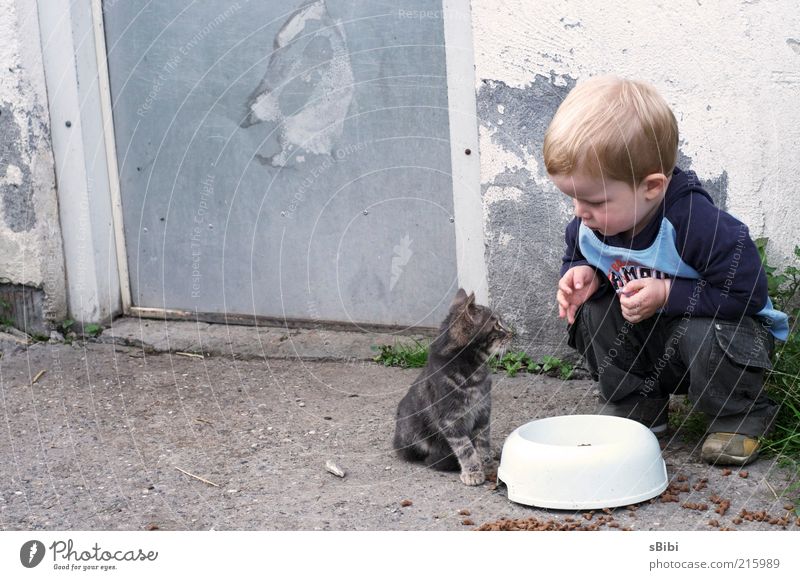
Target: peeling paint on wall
x: 524, y: 214
x: 520, y: 117
x: 16, y: 190
x: 717, y: 187
x: 31, y: 258
x: 308, y: 86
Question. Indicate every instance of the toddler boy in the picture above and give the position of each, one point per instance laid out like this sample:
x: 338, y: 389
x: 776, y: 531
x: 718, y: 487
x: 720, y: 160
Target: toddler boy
x: 663, y: 291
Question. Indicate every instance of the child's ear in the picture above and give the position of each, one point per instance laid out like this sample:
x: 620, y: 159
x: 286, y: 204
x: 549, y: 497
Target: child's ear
x: 654, y: 185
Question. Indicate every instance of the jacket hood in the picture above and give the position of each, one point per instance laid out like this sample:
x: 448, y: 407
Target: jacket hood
x: 683, y: 184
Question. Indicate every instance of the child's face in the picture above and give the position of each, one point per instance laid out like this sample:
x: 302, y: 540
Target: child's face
x: 612, y: 207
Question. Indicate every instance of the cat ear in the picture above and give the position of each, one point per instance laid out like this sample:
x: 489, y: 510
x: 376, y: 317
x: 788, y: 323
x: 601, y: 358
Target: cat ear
x: 461, y: 296
x: 470, y: 307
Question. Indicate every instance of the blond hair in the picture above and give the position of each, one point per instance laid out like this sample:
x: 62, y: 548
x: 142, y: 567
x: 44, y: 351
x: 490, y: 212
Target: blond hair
x: 613, y: 128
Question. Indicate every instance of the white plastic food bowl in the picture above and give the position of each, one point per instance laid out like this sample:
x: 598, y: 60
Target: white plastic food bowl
x: 582, y: 462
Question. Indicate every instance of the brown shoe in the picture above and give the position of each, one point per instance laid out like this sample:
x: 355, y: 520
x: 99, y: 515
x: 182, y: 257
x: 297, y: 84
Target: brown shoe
x: 729, y: 449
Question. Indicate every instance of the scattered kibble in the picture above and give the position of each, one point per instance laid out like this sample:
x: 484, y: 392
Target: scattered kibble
x: 406, y: 503
x: 467, y: 522
x: 701, y: 507
x: 763, y: 516
x: 464, y: 513
x: 726, y: 472
x: 722, y: 504
x: 550, y: 525
x: 744, y: 474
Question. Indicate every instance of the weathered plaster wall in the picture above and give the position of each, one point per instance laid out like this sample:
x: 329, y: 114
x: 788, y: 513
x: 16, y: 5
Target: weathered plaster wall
x: 729, y: 70
x: 30, y: 236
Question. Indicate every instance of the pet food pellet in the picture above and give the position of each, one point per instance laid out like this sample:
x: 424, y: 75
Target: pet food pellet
x: 743, y: 474
x: 464, y: 513
x: 406, y: 503
x: 467, y: 522
x: 713, y: 523
x: 726, y: 472
x: 788, y: 507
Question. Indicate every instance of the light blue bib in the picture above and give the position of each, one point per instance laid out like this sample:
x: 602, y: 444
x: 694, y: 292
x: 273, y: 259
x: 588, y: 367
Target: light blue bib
x: 660, y: 260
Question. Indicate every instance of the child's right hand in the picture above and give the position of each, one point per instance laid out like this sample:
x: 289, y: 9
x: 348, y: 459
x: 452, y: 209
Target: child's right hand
x: 575, y: 288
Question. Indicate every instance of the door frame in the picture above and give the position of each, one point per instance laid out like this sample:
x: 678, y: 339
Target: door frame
x: 84, y: 152
x: 87, y: 175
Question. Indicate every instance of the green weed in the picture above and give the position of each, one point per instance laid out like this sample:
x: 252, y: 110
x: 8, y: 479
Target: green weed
x: 4, y: 321
x: 416, y: 355
x: 515, y: 361
x: 402, y: 355
x: 783, y: 381
x: 92, y: 330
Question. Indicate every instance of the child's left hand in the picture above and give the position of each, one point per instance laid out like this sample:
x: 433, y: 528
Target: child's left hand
x: 641, y: 298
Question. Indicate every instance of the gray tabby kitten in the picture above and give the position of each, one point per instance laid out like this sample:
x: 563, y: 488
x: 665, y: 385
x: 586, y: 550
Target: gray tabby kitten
x: 444, y: 418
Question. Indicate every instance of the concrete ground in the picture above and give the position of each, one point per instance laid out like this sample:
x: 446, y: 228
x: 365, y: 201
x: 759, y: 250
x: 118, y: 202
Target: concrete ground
x: 125, y: 433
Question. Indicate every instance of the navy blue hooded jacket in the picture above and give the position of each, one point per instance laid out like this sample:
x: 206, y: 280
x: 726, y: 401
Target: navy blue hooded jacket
x: 713, y: 263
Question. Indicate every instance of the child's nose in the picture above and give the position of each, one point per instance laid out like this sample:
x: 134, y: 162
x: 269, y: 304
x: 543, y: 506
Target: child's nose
x: 581, y: 210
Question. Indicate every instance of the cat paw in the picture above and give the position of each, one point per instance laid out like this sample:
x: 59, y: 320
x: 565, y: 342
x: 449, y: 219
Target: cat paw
x: 472, y: 477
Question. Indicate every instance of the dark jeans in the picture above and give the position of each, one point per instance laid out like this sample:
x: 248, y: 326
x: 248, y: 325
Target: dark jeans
x: 718, y: 364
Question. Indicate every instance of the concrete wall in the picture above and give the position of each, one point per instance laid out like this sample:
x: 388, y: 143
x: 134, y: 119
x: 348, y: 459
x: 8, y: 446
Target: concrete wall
x: 729, y: 70
x: 31, y: 258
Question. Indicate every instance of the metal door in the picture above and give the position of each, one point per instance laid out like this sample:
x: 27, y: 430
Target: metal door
x: 287, y: 160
